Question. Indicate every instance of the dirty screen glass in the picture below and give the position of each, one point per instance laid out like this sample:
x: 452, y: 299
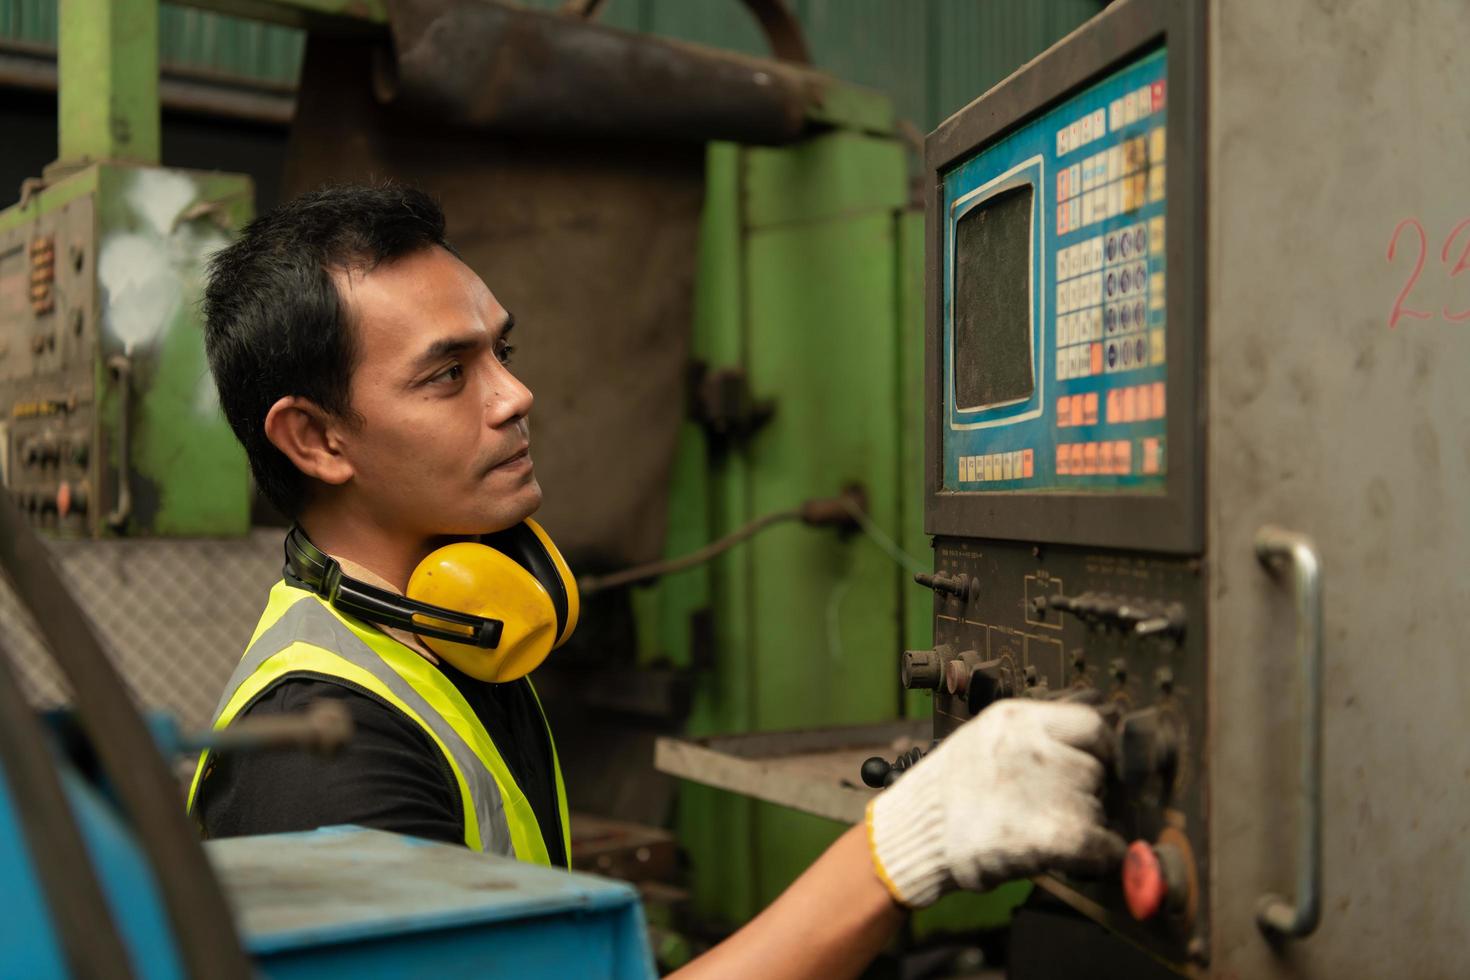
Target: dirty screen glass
x: 992, y: 302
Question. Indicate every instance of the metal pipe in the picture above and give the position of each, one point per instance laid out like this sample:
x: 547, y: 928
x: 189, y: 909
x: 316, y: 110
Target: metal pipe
x: 488, y: 65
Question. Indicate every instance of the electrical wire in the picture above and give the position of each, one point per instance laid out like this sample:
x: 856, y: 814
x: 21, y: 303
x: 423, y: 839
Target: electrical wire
x: 816, y: 512
x: 890, y: 547
x: 657, y: 569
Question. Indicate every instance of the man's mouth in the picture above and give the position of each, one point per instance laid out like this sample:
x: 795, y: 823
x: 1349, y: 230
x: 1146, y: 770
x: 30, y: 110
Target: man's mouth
x: 515, y: 458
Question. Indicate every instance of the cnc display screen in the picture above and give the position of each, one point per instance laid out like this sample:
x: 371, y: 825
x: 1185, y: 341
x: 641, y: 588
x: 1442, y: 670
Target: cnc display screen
x: 992, y: 329
x: 1052, y: 330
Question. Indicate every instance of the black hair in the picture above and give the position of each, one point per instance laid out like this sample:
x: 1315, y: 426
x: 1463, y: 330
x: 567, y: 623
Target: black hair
x: 274, y: 323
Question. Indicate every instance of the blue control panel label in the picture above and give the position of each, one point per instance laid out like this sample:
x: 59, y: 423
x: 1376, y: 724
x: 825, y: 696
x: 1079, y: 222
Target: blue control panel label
x: 1054, y: 359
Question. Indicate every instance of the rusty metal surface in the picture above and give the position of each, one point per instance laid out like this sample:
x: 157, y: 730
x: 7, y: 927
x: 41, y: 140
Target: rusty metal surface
x: 1328, y: 421
x: 472, y: 63
x: 815, y: 772
x: 781, y: 27
x: 591, y: 243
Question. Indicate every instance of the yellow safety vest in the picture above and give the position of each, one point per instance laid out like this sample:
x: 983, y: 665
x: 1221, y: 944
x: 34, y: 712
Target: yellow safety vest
x: 299, y: 634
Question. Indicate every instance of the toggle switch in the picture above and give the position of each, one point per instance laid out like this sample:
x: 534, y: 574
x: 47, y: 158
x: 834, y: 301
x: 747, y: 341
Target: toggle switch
x: 961, y: 586
x: 71, y: 498
x: 1135, y: 616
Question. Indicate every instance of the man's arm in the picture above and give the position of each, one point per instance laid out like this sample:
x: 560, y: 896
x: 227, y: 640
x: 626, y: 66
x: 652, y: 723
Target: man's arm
x: 831, y: 922
x: 1011, y: 794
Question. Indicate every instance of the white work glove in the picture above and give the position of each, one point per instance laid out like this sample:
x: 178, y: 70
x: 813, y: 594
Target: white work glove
x: 1011, y: 793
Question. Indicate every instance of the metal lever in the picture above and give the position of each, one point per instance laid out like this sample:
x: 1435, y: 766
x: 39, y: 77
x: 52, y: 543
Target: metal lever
x: 1281, y: 550
x: 122, y: 369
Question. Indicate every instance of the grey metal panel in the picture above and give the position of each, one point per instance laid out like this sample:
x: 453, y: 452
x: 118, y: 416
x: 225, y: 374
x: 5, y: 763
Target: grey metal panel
x: 1331, y: 124
x: 177, y: 614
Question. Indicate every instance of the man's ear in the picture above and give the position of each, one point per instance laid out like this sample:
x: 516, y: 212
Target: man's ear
x: 307, y: 435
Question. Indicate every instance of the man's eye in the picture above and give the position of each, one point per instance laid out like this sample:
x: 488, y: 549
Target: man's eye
x: 449, y: 375
x: 503, y: 351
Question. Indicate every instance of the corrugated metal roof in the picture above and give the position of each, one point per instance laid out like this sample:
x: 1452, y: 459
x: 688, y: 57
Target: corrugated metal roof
x: 930, y: 56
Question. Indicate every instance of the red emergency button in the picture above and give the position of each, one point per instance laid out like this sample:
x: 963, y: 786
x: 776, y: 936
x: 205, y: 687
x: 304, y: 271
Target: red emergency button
x: 1144, y: 884
x: 63, y: 499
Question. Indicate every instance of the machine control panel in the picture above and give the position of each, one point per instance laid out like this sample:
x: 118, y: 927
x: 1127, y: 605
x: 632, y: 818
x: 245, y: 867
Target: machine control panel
x: 1121, y: 632
x: 1063, y: 461
x: 48, y: 337
x: 109, y: 419
x: 1053, y: 320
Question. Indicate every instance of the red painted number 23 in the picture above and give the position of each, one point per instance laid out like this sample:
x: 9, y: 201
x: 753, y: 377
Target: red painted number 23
x: 1399, y: 309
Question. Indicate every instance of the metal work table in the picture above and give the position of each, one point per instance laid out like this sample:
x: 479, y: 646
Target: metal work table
x: 815, y: 772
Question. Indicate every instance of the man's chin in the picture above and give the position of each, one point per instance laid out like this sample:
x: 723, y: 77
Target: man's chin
x: 511, y: 509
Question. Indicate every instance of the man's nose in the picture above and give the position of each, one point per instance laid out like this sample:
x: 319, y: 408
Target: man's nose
x: 508, y: 399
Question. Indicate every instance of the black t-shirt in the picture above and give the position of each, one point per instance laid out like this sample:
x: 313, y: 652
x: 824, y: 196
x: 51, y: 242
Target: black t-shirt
x: 390, y: 776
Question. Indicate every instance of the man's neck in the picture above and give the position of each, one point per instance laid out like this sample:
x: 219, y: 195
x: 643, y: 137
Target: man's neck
x: 392, y: 556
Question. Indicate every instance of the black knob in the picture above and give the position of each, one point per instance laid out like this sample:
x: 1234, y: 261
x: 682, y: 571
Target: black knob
x: 875, y: 771
x: 1148, y: 746
x: 921, y: 669
x: 878, y: 772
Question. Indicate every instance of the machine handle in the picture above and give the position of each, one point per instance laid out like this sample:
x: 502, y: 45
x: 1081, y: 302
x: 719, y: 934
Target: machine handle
x: 122, y: 369
x: 1283, y: 551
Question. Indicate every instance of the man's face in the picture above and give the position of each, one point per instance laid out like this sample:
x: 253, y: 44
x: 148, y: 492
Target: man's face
x: 443, y: 447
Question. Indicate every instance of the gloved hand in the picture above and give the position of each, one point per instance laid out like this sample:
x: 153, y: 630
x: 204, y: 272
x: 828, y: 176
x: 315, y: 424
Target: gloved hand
x: 1013, y: 792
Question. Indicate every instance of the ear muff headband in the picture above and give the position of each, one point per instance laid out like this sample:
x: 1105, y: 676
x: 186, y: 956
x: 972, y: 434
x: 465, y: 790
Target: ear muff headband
x: 319, y: 572
x: 529, y: 546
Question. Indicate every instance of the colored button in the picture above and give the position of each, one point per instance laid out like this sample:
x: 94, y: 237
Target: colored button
x: 1089, y: 408
x: 1123, y: 457
x: 1097, y: 358
x: 1115, y: 406
x: 1144, y: 885
x: 1151, y: 456
x: 1064, y: 412
x: 1158, y: 400
x: 1127, y: 404
x: 1028, y: 464
x: 1064, y: 460
x: 1089, y: 458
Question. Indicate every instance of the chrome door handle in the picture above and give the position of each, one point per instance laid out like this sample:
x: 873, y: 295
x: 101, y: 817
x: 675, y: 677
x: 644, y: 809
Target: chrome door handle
x: 1289, y: 553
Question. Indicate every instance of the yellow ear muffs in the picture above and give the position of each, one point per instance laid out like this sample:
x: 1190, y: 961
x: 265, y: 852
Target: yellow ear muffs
x: 517, y: 576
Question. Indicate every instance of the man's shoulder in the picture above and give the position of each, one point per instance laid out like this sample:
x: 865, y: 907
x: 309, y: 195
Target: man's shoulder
x: 371, y: 715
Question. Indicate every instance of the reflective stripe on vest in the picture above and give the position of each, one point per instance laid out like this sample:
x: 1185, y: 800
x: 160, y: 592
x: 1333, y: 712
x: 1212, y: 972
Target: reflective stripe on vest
x: 300, y: 634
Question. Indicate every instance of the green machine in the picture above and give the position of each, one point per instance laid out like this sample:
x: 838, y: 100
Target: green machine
x: 111, y: 425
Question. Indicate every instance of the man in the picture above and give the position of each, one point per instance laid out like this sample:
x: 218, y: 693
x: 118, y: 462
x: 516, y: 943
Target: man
x: 366, y: 371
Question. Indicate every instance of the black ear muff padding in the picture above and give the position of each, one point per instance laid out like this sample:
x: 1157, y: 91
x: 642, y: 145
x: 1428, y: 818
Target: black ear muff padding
x: 521, y: 545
